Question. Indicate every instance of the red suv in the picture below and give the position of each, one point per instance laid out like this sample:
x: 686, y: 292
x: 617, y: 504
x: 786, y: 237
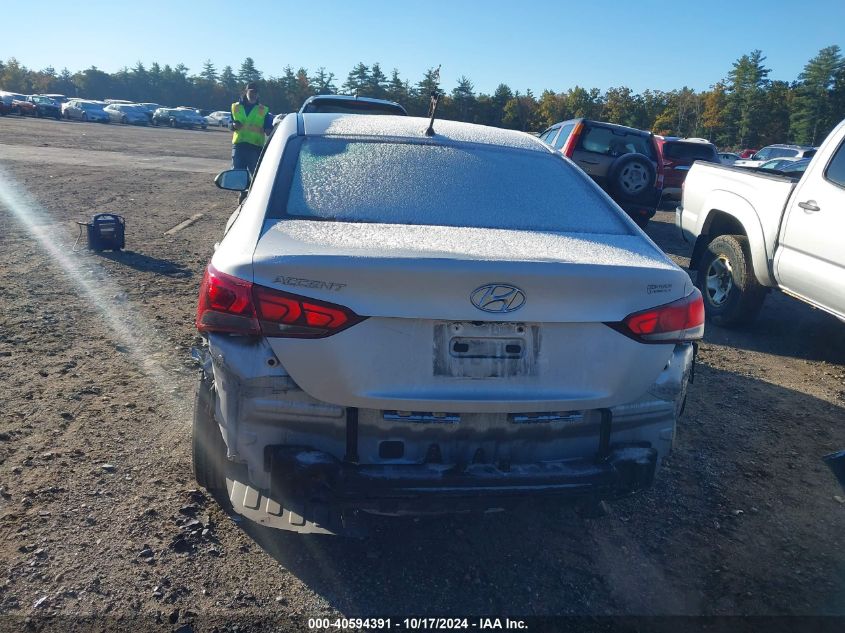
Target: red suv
x: 678, y: 155
x: 621, y: 160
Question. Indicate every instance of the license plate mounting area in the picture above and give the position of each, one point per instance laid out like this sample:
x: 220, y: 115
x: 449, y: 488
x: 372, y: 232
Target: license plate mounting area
x: 476, y: 349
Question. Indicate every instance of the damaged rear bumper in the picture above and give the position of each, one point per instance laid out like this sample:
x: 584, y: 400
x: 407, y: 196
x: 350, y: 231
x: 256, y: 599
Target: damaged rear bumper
x: 313, y: 492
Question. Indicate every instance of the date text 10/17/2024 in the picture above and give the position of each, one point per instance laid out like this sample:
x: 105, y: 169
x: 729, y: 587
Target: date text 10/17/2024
x: 415, y: 624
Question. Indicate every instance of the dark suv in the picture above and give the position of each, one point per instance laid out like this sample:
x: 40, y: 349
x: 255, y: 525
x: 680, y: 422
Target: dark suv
x: 622, y: 160
x: 678, y: 155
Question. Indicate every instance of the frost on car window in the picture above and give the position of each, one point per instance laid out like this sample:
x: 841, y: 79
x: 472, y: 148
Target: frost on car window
x: 446, y: 185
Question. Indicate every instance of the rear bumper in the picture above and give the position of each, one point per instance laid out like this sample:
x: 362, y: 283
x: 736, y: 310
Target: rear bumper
x: 296, y: 461
x: 311, y: 491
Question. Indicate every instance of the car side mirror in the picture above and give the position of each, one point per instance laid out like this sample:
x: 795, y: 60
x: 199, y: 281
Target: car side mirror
x: 233, y: 180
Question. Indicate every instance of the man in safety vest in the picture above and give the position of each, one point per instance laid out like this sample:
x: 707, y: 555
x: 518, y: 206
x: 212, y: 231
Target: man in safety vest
x: 251, y: 121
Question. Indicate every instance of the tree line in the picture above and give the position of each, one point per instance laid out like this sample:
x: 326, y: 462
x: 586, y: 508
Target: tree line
x: 744, y: 109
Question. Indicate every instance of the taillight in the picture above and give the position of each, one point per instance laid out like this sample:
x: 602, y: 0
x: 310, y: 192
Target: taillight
x: 225, y: 305
x: 288, y: 315
x: 572, y: 141
x: 677, y: 322
x: 231, y: 305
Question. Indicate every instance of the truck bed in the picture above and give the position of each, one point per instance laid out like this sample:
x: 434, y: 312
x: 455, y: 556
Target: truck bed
x: 755, y: 198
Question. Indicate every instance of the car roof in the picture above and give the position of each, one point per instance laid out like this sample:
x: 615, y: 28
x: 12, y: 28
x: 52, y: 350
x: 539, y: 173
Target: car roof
x: 615, y: 126
x: 405, y: 127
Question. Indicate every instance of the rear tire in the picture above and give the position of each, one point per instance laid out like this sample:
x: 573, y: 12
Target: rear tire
x: 732, y: 295
x: 207, y: 446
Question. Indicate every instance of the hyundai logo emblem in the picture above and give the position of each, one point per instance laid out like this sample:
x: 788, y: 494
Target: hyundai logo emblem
x: 499, y: 298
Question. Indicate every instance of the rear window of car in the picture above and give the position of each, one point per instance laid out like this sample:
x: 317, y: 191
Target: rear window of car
x: 675, y: 150
x: 469, y: 185
x: 352, y: 107
x: 613, y: 142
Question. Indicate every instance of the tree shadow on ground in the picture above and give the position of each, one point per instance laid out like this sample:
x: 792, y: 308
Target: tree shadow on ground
x: 741, y: 505
x: 146, y: 263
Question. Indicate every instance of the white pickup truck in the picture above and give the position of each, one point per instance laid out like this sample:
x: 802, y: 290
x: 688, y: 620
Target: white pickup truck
x: 751, y: 231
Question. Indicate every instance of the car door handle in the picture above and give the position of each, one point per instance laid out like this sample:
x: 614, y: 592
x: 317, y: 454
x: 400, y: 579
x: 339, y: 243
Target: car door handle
x: 810, y: 206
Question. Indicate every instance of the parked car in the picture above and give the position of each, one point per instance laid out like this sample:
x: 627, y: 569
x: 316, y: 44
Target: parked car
x: 149, y: 108
x: 85, y: 110
x: 678, y: 155
x: 777, y: 163
x: 45, y: 107
x: 58, y: 98
x: 796, y: 167
x: 747, y: 153
x: 220, y: 118
x: 753, y: 231
x: 467, y: 272
x: 5, y: 104
x: 623, y: 161
x: 728, y: 158
x: 133, y: 114
x: 349, y: 104
x: 178, y: 117
x: 777, y: 151
x: 21, y: 106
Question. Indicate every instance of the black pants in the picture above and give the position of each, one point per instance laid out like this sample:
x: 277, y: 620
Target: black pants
x: 245, y: 156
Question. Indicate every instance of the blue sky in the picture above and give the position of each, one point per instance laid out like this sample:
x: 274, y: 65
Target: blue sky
x: 526, y: 44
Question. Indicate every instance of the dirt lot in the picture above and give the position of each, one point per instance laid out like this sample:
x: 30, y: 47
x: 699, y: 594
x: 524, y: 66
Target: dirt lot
x: 97, y: 392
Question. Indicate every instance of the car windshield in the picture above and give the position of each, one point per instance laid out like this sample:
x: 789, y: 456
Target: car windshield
x: 91, y: 106
x: 445, y: 185
x: 43, y: 100
x: 688, y: 151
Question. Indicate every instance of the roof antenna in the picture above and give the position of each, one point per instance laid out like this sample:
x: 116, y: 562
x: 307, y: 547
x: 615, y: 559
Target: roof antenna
x: 435, y: 97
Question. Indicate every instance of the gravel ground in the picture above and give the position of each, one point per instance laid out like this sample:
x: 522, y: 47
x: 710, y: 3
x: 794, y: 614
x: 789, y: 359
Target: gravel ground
x: 100, y: 516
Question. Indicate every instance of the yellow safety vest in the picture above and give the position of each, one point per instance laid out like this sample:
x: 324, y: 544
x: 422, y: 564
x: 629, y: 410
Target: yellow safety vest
x: 253, y: 124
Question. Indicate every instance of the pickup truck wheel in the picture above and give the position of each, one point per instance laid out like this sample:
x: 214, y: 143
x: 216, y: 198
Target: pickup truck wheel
x: 207, y: 445
x: 732, y: 294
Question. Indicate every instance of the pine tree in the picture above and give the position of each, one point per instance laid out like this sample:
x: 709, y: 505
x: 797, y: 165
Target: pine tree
x: 248, y: 72
x: 746, y: 100
x: 228, y: 79
x: 463, y: 97
x: 209, y: 72
x: 397, y: 90
x: 814, y: 116
x: 323, y: 82
x: 377, y: 82
x: 358, y: 79
x: 425, y: 87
